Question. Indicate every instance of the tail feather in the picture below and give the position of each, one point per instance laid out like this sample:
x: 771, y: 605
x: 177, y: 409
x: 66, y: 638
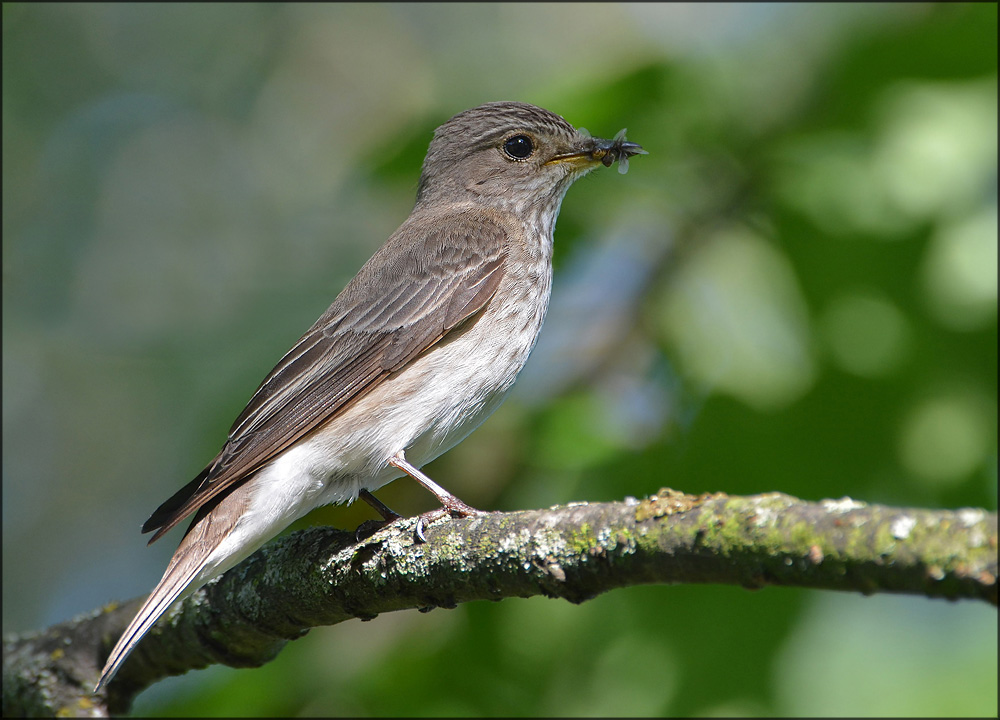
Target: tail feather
x: 173, y: 585
x: 207, y: 549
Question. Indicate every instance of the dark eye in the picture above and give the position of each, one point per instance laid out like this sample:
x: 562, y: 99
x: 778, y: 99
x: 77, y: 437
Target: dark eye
x: 518, y: 147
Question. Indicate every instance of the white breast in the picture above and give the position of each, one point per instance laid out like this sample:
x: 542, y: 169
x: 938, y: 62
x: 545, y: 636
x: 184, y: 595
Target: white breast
x: 424, y: 410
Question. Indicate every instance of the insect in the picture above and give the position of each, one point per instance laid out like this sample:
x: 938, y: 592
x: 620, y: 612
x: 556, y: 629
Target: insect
x: 618, y: 149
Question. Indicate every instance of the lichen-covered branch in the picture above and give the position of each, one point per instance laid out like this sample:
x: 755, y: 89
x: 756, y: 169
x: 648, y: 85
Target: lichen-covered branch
x: 323, y: 576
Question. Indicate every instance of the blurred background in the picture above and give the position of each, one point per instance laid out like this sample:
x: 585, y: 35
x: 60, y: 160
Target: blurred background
x: 795, y: 291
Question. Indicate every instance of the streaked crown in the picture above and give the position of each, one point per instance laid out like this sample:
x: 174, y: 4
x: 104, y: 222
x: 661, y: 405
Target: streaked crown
x: 500, y: 153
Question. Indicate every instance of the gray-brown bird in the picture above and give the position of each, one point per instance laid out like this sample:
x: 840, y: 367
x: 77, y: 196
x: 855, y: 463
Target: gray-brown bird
x: 416, y: 351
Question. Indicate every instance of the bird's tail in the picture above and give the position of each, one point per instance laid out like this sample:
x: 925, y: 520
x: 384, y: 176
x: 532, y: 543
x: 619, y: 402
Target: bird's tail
x: 177, y: 581
x: 208, y: 548
x: 222, y: 534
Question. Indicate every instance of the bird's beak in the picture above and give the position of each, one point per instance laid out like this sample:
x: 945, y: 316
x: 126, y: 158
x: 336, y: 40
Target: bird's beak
x: 590, y: 151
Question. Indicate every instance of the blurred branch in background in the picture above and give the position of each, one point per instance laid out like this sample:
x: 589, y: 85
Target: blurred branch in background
x: 323, y: 576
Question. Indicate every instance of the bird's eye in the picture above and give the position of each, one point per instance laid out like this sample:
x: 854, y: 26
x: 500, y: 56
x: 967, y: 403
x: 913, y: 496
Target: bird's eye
x: 518, y: 147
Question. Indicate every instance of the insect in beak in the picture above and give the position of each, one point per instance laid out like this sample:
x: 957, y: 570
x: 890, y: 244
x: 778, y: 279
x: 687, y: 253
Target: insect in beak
x: 607, y: 151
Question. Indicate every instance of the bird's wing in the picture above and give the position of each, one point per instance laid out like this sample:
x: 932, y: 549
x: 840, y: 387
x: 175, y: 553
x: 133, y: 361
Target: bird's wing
x: 426, y: 280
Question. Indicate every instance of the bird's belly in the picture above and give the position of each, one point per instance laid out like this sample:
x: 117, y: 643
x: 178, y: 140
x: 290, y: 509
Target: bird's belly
x: 423, y: 410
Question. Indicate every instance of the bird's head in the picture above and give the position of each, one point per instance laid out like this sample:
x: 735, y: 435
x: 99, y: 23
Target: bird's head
x: 511, y: 153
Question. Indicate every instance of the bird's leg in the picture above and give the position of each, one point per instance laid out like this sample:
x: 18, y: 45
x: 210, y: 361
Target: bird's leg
x: 449, y: 501
x: 387, y: 513
x: 370, y: 527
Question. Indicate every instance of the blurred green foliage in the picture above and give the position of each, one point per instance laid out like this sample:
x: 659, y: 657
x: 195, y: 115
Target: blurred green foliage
x: 795, y: 291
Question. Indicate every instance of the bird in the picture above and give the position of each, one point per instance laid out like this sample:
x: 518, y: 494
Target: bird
x: 416, y: 351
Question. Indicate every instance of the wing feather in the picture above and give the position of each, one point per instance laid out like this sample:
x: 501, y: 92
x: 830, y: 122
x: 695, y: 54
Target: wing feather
x: 432, y: 275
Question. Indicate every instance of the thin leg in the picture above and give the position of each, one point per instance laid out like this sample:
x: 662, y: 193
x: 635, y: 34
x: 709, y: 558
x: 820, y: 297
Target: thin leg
x: 387, y: 513
x: 454, y: 505
x: 370, y: 527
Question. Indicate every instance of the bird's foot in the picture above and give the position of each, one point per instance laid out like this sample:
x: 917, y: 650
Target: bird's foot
x: 369, y: 527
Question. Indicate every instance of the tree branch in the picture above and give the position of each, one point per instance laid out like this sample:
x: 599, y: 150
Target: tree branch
x: 323, y: 576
